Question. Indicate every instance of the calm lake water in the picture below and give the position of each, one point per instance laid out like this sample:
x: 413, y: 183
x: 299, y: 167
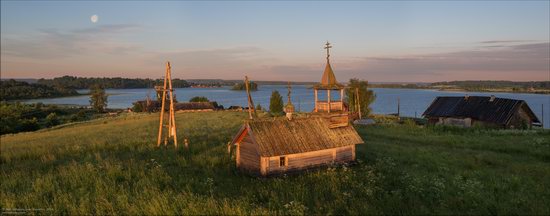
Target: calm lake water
x: 413, y: 101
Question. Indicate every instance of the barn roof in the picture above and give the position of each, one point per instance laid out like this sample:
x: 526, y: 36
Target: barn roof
x: 194, y: 106
x: 280, y: 136
x: 499, y: 110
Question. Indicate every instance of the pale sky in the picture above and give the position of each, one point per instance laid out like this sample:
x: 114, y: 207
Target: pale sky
x: 398, y: 41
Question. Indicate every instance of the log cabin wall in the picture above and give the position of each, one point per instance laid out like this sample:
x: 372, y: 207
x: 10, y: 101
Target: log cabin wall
x: 301, y: 161
x: 249, y: 157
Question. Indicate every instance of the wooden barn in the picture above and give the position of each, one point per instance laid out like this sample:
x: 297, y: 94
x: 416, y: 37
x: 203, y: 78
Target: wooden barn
x: 154, y: 106
x: 481, y: 111
x: 275, y: 146
x: 194, y: 107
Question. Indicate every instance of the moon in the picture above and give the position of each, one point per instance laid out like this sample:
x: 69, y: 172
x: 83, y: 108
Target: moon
x: 94, y: 18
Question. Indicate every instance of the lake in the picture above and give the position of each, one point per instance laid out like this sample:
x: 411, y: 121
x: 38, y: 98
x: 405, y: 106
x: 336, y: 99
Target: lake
x: 413, y: 101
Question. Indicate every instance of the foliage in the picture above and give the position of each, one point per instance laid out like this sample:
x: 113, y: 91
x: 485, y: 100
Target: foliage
x: 72, y: 82
x: 98, y: 98
x: 276, y: 103
x: 366, y: 96
x: 18, y: 117
x: 259, y: 107
x: 137, y: 107
x: 242, y: 87
x: 110, y: 166
x: 15, y: 90
x: 199, y: 99
x: 52, y: 120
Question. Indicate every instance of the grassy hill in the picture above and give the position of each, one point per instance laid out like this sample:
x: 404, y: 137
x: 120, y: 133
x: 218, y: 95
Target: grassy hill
x: 110, y: 166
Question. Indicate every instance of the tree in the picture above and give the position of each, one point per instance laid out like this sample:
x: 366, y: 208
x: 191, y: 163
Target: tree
x: 366, y: 97
x: 276, y: 103
x: 259, y: 107
x: 242, y: 86
x: 199, y: 99
x: 98, y: 98
x: 51, y: 119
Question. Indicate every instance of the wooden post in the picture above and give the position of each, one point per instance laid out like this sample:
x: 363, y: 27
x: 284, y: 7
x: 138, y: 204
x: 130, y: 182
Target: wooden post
x: 358, y: 102
x: 238, y: 155
x: 315, y: 91
x: 542, y: 120
x: 342, y: 99
x: 263, y: 165
x: 251, y: 107
x: 162, y: 110
x: 229, y: 148
x: 328, y: 99
x: 172, y: 111
x: 398, y: 111
x: 353, y: 152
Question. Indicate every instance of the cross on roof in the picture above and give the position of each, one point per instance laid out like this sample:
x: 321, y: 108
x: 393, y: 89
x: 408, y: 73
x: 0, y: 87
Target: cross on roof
x: 327, y: 47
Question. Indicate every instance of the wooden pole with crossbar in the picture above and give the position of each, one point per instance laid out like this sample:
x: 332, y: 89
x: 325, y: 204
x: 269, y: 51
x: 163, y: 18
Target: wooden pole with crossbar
x: 171, y: 127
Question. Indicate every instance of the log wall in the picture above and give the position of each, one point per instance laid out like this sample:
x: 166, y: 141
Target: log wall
x: 249, y: 157
x: 301, y: 161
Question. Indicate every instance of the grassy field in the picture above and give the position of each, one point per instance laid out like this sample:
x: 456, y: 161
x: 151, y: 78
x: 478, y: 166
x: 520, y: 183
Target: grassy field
x: 110, y: 166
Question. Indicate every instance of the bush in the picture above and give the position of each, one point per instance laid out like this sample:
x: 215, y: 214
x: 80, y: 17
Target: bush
x: 199, y: 99
x: 52, y: 120
x: 137, y: 107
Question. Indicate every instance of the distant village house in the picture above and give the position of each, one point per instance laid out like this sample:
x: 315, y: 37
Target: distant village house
x: 483, y: 111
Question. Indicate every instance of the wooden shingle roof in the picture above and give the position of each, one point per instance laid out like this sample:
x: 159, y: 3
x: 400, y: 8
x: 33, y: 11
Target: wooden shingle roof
x: 282, y: 137
x: 328, y: 81
x: 194, y: 106
x: 499, y: 110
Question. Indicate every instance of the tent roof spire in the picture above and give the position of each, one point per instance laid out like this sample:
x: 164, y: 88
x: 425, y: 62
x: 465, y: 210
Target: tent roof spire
x: 328, y: 81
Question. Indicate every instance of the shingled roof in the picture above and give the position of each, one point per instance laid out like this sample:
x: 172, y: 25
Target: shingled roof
x: 194, y: 106
x: 282, y: 137
x: 499, y: 110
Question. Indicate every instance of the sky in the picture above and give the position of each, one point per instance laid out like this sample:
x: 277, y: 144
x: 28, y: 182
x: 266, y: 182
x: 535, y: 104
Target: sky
x: 395, y: 41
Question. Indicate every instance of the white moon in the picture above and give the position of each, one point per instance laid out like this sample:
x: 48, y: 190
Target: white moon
x: 94, y: 18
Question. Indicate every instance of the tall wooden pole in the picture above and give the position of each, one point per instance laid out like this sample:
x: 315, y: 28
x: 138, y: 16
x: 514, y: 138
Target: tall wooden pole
x: 315, y: 92
x: 251, y: 108
x: 328, y: 99
x: 398, y: 108
x: 342, y: 99
x: 172, y: 111
x: 162, y: 110
x: 357, y: 102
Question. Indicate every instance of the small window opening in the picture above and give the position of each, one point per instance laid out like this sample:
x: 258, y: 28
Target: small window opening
x: 282, y: 161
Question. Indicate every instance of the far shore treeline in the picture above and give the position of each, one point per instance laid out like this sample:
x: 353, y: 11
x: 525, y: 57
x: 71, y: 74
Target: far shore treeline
x: 67, y: 86
x: 72, y: 82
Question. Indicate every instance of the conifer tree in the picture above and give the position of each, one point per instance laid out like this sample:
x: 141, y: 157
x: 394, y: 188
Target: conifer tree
x: 276, y: 103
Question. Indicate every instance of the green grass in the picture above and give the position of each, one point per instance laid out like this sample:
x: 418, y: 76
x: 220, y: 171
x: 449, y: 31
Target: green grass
x: 110, y: 166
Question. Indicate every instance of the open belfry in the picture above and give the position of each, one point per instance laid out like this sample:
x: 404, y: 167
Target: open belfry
x: 328, y: 83
x: 167, y: 120
x: 270, y: 146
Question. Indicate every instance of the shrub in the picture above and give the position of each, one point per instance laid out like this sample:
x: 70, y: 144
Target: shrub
x: 52, y: 120
x: 199, y: 99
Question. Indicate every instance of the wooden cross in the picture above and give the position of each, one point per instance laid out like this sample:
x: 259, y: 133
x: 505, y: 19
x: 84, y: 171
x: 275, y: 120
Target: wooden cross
x: 327, y: 47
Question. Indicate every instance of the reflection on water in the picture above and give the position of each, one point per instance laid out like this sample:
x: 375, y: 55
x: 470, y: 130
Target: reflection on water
x: 413, y: 101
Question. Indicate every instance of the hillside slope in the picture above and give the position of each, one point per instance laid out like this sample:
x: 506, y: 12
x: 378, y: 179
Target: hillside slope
x: 110, y: 166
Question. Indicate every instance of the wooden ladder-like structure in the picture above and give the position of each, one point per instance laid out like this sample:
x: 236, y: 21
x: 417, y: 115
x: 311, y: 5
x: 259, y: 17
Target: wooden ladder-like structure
x: 171, y: 126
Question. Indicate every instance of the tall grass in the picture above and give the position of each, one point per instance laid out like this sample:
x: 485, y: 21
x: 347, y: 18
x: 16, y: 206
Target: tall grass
x: 110, y: 166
